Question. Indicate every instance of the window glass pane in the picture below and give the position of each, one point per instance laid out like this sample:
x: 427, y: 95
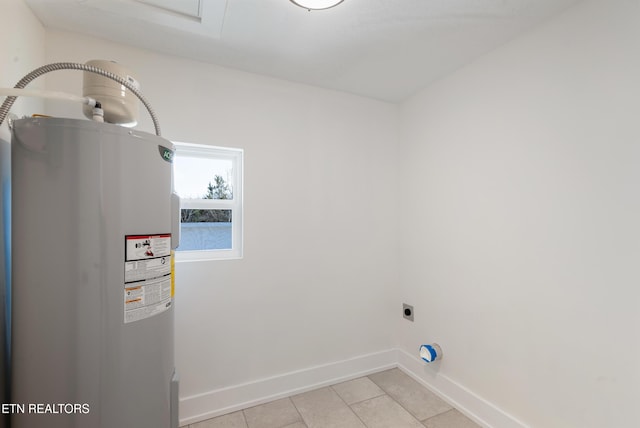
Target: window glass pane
x: 205, y: 230
x: 206, y: 178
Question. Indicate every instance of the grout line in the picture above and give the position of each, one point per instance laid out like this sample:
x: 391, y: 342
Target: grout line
x: 392, y: 399
x: 363, y: 422
x: 439, y: 414
x: 298, y: 412
x: 244, y: 418
x: 439, y: 398
x: 370, y: 398
x: 348, y: 406
x: 400, y: 404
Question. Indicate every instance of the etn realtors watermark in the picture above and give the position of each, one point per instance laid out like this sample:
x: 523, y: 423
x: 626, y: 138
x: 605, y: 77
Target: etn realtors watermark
x: 45, y: 408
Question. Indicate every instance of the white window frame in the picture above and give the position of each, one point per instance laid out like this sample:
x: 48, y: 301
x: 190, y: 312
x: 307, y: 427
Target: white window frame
x: 235, y: 204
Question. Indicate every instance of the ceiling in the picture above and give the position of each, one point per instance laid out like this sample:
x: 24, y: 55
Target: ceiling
x: 383, y: 49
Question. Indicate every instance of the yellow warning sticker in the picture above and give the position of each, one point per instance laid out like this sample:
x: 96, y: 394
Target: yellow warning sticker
x: 173, y: 273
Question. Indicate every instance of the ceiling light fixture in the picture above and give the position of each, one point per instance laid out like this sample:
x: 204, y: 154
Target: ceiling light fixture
x: 316, y: 4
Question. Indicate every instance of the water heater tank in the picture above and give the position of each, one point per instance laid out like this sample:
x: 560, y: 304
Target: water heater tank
x: 92, y: 286
x: 120, y: 105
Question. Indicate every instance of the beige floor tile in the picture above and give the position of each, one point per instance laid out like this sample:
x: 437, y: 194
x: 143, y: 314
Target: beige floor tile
x: 323, y: 408
x: 384, y: 412
x: 357, y: 390
x: 450, y: 419
x: 275, y: 414
x: 231, y: 420
x: 296, y: 425
x: 415, y: 398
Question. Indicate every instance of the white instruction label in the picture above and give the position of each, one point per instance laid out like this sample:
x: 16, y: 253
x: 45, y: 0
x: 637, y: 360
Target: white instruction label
x: 147, y: 269
x: 147, y: 276
x: 147, y: 298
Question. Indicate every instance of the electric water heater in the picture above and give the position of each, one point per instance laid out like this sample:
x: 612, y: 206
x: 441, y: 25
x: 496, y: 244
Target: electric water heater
x: 94, y: 225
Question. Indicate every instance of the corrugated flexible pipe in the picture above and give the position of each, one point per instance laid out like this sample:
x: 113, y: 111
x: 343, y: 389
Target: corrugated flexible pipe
x: 6, y: 105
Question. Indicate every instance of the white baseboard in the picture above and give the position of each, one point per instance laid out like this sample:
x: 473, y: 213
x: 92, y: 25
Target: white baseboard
x: 472, y: 405
x: 200, y: 407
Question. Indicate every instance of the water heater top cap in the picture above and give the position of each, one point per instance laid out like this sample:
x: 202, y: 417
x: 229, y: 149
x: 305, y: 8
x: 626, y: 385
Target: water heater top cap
x: 120, y: 105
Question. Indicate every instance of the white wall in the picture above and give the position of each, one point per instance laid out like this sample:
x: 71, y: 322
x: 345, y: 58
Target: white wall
x: 21, y: 50
x: 519, y: 205
x: 521, y: 243
x: 320, y: 256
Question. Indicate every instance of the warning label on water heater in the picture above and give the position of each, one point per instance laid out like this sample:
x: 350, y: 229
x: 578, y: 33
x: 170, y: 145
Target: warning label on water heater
x: 147, y: 276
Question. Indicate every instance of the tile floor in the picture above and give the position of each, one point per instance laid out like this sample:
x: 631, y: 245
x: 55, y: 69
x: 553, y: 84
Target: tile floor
x: 389, y: 399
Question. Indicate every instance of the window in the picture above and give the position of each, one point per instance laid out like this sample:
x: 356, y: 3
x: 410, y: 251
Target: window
x: 208, y: 180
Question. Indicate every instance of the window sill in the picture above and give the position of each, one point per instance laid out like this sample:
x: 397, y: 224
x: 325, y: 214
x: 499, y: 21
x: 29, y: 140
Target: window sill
x: 207, y: 255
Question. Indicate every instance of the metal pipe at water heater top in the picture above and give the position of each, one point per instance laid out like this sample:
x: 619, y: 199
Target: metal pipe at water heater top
x: 6, y: 105
x: 39, y: 93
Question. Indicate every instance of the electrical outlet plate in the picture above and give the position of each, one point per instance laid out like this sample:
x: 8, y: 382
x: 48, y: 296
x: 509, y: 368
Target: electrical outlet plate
x: 407, y: 312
